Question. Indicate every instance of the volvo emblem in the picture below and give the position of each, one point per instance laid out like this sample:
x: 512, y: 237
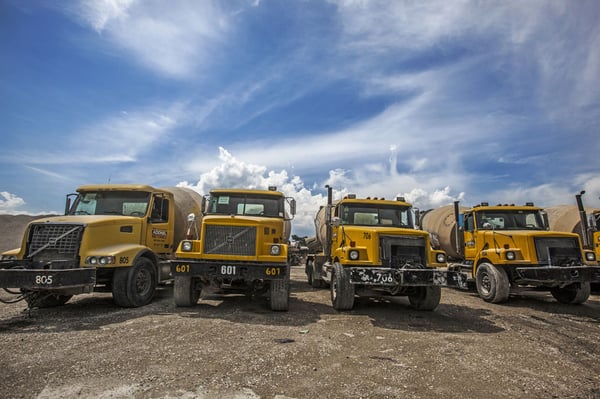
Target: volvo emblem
x: 229, y: 240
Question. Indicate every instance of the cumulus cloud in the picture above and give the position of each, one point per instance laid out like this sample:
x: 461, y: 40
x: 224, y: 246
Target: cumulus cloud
x: 374, y: 182
x: 10, y: 203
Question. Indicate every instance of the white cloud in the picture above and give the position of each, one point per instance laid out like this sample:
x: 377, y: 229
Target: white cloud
x: 10, y: 203
x: 174, y: 40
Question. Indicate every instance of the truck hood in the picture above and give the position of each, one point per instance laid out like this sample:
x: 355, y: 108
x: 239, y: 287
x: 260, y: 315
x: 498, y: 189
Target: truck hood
x: 95, y: 220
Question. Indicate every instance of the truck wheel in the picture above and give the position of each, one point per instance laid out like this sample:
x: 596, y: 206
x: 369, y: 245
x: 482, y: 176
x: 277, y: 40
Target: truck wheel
x: 134, y: 286
x: 280, y: 294
x: 40, y: 299
x: 184, y: 291
x: 572, y: 293
x: 315, y: 282
x: 492, y: 283
x: 342, y: 291
x: 425, y: 298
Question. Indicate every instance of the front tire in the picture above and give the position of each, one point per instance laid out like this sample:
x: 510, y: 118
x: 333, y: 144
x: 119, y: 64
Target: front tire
x: 280, y: 294
x: 572, y: 293
x: 185, y: 293
x: 425, y: 298
x: 492, y: 283
x: 134, y: 286
x: 342, y: 291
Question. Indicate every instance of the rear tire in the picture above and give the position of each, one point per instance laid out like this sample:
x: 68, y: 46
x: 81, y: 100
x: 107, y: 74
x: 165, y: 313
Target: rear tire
x: 315, y: 282
x: 425, y: 298
x: 184, y: 291
x: 492, y: 283
x: 342, y: 291
x: 134, y: 286
x: 572, y: 294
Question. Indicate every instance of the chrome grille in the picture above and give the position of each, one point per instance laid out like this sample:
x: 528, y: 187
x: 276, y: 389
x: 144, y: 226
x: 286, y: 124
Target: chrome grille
x: 230, y: 240
x: 53, y: 239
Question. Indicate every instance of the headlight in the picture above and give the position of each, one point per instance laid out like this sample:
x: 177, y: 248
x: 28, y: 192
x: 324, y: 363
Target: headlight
x: 275, y: 250
x: 186, y: 246
x: 440, y: 258
x: 92, y: 260
x: 107, y: 260
x: 8, y: 257
x: 510, y: 255
x: 353, y: 255
x: 590, y: 256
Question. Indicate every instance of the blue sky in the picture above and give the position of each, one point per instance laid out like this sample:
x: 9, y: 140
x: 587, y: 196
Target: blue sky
x: 493, y: 101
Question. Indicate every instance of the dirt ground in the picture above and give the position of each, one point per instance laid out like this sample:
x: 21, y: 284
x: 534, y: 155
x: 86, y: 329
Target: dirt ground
x: 233, y: 347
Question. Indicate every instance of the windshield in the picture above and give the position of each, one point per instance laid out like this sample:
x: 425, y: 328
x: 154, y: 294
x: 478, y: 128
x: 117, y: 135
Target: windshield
x: 236, y: 204
x: 372, y: 215
x: 126, y: 203
x: 510, y: 220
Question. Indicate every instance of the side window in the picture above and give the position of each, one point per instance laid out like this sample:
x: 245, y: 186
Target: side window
x: 470, y: 226
x: 160, y: 210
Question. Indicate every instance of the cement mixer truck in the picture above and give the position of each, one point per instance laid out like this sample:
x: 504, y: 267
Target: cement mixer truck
x: 242, y: 248
x: 113, y: 237
x: 508, y: 249
x: 370, y: 248
x: 578, y: 219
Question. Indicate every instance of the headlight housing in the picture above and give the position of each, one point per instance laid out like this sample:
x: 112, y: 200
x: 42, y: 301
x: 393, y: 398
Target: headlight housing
x: 590, y: 256
x: 8, y: 257
x: 510, y: 255
x: 100, y: 260
x: 275, y: 250
x: 353, y: 254
x: 186, y: 246
x: 440, y: 258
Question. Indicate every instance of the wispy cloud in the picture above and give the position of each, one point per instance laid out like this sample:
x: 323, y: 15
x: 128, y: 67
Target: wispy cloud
x: 172, y: 39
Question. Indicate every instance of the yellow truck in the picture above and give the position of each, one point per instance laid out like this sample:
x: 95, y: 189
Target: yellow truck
x: 370, y: 247
x: 580, y: 220
x: 509, y: 249
x: 243, y: 248
x: 113, y: 237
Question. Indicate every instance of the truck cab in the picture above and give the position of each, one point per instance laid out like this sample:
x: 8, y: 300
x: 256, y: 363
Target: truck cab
x: 508, y: 248
x: 242, y: 247
x: 113, y: 237
x: 371, y: 247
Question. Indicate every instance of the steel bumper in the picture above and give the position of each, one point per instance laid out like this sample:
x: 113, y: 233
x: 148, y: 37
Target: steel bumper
x: 230, y: 270
x: 48, y: 279
x: 558, y: 274
x: 408, y: 277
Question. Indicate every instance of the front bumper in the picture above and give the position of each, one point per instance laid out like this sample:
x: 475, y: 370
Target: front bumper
x: 407, y: 277
x: 247, y: 271
x: 552, y: 275
x: 14, y: 274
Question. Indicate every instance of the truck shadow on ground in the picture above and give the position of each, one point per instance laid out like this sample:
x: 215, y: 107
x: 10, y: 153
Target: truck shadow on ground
x: 82, y: 312
x: 544, y: 302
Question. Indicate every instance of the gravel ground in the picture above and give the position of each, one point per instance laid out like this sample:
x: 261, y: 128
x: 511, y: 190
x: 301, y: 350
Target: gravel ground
x: 235, y: 347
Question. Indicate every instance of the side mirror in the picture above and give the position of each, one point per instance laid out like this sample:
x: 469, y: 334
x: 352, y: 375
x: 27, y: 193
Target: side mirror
x: 545, y: 219
x: 292, y: 203
x: 335, y: 221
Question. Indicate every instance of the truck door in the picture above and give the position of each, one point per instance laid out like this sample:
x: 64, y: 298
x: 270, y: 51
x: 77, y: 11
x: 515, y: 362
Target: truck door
x: 159, y: 234
x: 470, y: 236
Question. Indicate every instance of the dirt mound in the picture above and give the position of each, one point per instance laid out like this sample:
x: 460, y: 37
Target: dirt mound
x: 12, y: 228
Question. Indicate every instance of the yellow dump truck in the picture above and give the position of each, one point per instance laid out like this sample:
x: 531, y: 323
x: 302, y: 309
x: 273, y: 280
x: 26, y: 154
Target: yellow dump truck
x: 508, y: 248
x: 578, y: 219
x: 243, y: 247
x: 370, y: 247
x: 113, y: 237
